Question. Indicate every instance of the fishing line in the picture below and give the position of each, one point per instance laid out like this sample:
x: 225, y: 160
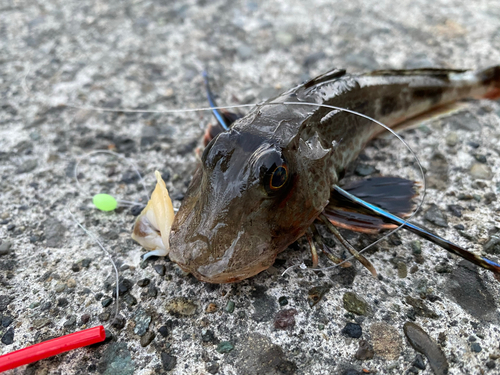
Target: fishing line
x: 99, y: 243
x: 128, y: 161
x: 424, y: 186
x: 127, y: 110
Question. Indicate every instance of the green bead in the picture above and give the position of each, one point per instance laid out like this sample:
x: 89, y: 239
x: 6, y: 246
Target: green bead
x: 104, y: 202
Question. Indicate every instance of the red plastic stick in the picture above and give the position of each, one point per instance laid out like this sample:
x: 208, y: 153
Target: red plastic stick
x: 52, y: 347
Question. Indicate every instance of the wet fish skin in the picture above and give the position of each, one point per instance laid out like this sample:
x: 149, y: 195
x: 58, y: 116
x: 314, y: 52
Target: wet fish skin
x: 231, y: 225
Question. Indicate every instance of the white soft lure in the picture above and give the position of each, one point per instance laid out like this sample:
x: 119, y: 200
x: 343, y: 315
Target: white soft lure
x: 152, y: 227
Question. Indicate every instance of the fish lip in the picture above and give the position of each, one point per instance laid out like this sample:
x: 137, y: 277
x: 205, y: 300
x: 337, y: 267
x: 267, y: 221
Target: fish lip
x: 190, y: 258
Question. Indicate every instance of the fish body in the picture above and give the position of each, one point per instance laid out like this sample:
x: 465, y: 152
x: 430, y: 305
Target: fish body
x: 263, y: 182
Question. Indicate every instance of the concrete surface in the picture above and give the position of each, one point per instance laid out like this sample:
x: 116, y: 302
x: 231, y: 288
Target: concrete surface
x: 148, y: 55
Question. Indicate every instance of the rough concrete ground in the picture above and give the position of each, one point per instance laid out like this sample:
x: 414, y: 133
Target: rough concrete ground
x: 148, y: 55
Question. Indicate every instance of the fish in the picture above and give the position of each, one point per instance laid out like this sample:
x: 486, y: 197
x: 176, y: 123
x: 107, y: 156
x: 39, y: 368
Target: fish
x: 265, y: 180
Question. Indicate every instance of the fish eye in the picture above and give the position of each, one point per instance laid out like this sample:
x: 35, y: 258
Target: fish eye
x: 278, y: 177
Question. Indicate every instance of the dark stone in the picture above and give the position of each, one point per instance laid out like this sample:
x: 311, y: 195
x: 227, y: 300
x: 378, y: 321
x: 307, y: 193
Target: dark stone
x: 352, y: 330
x: 8, y: 337
x: 5, y: 301
x: 136, y: 210
x: 152, y: 291
x: 212, y: 367
x: 490, y: 364
x: 365, y: 351
x: 283, y: 301
x: 419, y: 362
x: 119, y: 322
x: 160, y: 269
x: 435, y: 216
x: 6, y: 321
x: 168, y: 361
x: 469, y: 291
x: 84, y: 319
x: 124, y: 286
x: 264, y: 305
x: 455, y: 210
x: 224, y: 347
x: 62, y: 302
x: 475, y: 347
x: 285, y: 319
x: 130, y: 300
x: 75, y: 267
x: 107, y: 302
x: 345, y: 276
x: 209, y: 337
x: 163, y: 330
x: 422, y: 343
x: 147, y: 338
x: 143, y: 282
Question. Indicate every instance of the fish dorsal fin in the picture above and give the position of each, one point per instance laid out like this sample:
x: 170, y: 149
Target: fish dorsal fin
x: 433, y: 72
x: 328, y: 76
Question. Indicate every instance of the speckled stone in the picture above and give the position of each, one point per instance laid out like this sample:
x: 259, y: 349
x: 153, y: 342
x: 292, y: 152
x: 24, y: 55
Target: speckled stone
x: 386, y: 341
x: 421, y: 341
x: 355, y: 304
x: 181, y: 306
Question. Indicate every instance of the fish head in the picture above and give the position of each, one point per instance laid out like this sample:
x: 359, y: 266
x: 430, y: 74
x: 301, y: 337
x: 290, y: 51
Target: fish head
x: 248, y: 200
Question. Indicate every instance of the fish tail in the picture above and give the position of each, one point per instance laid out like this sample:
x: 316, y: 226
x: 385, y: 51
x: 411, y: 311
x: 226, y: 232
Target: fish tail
x: 490, y: 78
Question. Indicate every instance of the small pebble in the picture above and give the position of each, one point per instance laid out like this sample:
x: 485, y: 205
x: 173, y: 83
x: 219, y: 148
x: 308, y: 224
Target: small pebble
x: 119, y: 322
x: 143, y: 282
x: 168, y: 361
x: 181, y: 306
x: 209, y: 336
x: 104, y: 317
x: 6, y: 321
x: 419, y: 362
x: 224, y: 347
x: 62, y: 302
x: 491, y: 364
x: 5, y: 248
x: 285, y: 319
x: 147, y: 338
x: 352, y: 330
x: 283, y: 301
x: 481, y: 171
x: 163, y: 330
x: 84, y: 319
x: 106, y: 302
x: 354, y: 304
x: 475, y: 347
x: 212, y: 368
x: 160, y: 269
x: 229, y: 307
x: 8, y: 337
x: 365, y: 351
x: 211, y: 308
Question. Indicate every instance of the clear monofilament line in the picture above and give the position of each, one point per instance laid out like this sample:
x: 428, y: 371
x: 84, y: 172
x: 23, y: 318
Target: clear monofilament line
x: 99, y: 243
x: 419, y: 205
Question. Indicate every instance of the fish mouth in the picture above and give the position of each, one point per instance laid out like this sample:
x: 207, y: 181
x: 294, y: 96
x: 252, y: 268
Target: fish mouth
x: 243, y: 258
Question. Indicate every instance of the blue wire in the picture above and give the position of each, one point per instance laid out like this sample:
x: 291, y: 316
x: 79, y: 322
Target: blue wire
x: 211, y: 102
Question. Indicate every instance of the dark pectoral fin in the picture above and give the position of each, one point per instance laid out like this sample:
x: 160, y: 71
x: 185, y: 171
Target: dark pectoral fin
x: 387, y: 217
x: 392, y: 194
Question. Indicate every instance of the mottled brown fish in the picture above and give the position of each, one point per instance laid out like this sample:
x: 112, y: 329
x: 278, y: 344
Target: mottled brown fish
x: 261, y: 184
